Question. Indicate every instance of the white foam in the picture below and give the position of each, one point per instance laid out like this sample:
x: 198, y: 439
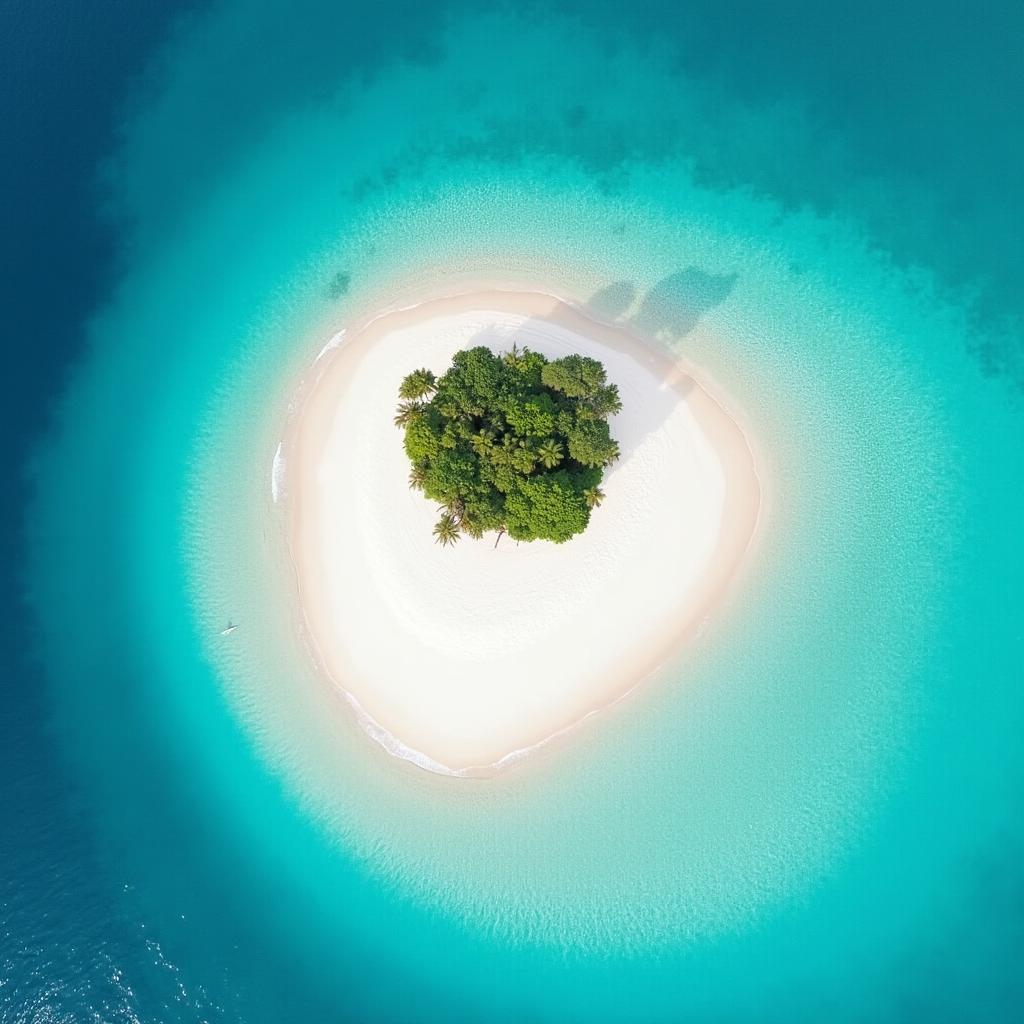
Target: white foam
x: 333, y: 343
x: 277, y: 474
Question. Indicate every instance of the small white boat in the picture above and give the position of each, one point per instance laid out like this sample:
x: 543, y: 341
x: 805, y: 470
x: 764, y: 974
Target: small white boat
x: 230, y: 628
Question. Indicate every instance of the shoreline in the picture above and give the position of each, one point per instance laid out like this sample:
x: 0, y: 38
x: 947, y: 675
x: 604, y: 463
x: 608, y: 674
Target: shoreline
x: 653, y: 374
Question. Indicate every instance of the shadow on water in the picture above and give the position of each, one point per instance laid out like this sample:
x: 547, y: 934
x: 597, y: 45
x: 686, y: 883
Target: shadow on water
x: 676, y: 303
x: 339, y: 284
x: 613, y: 301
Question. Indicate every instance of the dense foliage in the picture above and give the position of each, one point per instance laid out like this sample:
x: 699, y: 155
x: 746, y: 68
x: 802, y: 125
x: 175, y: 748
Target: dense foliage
x: 510, y: 443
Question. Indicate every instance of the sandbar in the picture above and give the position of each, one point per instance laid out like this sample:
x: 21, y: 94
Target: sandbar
x: 463, y: 659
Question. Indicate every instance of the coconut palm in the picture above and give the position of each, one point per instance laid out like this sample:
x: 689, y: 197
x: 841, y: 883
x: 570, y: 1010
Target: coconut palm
x: 550, y: 453
x: 407, y: 412
x: 482, y: 442
x: 417, y: 384
x: 446, y: 530
x: 418, y: 477
x: 593, y: 496
x: 523, y: 458
x: 471, y: 527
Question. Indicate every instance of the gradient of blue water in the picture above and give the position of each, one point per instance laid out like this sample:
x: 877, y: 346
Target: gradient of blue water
x: 168, y: 917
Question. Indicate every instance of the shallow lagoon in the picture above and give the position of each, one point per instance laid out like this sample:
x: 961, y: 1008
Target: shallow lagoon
x: 817, y: 817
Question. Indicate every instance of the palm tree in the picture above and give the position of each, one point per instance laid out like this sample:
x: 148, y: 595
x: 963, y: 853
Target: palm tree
x: 417, y: 385
x: 417, y: 477
x: 446, y: 530
x: 613, y: 453
x: 550, y: 453
x: 511, y: 357
x: 593, y: 496
x: 482, y: 442
x: 407, y: 412
x: 471, y: 528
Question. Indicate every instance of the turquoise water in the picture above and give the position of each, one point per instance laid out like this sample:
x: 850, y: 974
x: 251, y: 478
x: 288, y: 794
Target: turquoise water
x: 815, y: 814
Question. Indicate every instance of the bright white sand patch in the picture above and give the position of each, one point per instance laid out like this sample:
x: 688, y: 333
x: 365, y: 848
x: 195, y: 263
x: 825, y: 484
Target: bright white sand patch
x: 457, y: 658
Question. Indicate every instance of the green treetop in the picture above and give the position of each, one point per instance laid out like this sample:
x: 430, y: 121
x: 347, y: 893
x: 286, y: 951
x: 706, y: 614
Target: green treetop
x: 511, y: 443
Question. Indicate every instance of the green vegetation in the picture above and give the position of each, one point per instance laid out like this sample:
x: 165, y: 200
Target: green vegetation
x: 512, y: 444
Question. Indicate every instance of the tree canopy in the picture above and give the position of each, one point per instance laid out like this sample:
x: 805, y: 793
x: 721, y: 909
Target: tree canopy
x: 510, y: 443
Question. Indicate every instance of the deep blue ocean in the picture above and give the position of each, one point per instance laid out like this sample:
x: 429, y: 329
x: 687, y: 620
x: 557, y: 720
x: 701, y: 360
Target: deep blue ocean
x: 824, y: 821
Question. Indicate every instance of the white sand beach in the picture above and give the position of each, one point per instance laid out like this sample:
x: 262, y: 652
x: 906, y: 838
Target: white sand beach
x: 462, y: 658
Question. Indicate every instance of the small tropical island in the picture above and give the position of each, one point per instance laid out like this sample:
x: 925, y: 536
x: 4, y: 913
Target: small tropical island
x: 511, y: 443
x: 463, y: 657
